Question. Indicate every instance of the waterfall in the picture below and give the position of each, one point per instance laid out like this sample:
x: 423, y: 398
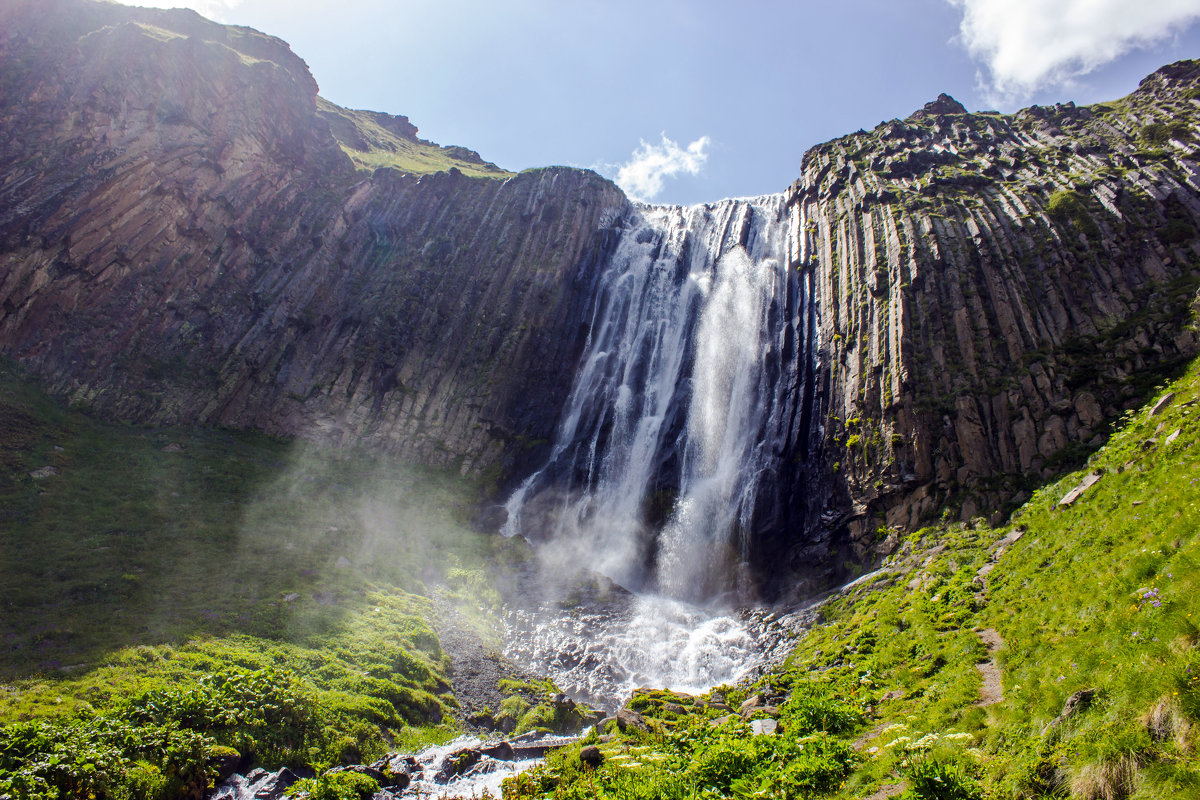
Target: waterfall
x: 684, y: 414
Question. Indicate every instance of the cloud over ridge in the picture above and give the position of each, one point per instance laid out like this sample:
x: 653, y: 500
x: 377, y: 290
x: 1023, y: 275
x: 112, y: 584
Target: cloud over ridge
x: 1026, y: 45
x: 643, y: 175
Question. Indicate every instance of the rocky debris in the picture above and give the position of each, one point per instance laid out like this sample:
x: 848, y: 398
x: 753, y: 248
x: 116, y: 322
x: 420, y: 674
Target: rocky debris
x: 1090, y: 480
x: 41, y: 473
x: 1171, y: 437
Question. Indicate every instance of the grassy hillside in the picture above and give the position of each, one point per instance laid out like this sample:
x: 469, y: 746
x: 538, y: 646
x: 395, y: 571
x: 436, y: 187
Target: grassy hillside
x: 374, y: 140
x: 1057, y: 656
x: 185, y: 589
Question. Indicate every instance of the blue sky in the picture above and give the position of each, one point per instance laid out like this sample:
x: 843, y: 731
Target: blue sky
x: 687, y: 101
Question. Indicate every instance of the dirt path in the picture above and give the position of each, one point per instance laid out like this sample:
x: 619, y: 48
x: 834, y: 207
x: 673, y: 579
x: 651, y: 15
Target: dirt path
x: 992, y: 691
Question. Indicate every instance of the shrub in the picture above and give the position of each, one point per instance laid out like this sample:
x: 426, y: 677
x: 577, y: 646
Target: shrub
x: 336, y: 786
x: 940, y: 778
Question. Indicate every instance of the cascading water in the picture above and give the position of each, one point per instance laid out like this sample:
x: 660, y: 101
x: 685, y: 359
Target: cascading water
x: 686, y: 406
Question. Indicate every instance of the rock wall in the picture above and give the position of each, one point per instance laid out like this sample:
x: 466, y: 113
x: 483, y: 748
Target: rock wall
x: 183, y: 240
x: 993, y: 292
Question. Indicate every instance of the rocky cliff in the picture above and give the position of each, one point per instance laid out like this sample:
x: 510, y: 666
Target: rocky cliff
x: 993, y: 292
x: 187, y: 233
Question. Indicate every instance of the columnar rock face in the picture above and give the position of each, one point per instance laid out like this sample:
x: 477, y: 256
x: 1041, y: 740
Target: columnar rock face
x: 189, y: 234
x: 182, y: 239
x: 993, y: 291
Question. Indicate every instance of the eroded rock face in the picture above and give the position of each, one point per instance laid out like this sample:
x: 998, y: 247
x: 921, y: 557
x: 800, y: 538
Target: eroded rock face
x: 994, y: 290
x: 183, y: 240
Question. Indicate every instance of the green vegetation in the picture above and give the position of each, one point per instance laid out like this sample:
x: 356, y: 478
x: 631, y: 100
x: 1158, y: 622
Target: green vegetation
x: 171, y: 592
x: 1159, y: 134
x: 1095, y: 680
x: 1067, y: 206
x: 371, y: 146
x: 532, y: 706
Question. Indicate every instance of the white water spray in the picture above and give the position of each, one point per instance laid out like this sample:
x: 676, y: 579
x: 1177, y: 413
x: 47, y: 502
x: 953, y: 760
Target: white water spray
x: 685, y: 400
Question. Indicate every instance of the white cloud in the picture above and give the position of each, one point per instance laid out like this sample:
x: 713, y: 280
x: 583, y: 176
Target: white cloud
x: 1026, y: 45
x: 642, y: 176
x: 213, y: 9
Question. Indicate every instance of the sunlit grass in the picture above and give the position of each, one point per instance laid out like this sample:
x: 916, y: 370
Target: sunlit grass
x: 152, y: 560
x: 1102, y: 595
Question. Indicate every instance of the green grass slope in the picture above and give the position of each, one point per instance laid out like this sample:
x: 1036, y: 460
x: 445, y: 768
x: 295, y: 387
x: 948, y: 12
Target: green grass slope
x: 1057, y: 656
x: 169, y: 592
x: 373, y: 140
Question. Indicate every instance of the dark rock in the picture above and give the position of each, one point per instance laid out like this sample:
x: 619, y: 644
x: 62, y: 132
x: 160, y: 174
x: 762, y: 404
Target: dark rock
x: 501, y: 751
x: 486, y: 721
x: 274, y: 785
x: 225, y: 761
x: 458, y: 762
x: 591, y: 756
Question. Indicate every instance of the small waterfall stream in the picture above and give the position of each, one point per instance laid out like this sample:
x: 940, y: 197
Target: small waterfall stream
x: 675, y: 440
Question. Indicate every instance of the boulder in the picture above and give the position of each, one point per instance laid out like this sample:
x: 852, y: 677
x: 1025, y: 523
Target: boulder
x: 764, y: 727
x: 501, y: 751
x: 591, y: 756
x: 627, y: 718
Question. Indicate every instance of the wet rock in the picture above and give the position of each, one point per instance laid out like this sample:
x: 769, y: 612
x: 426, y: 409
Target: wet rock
x: 501, y: 751
x: 225, y: 761
x: 274, y: 785
x: 258, y: 784
x: 458, y: 762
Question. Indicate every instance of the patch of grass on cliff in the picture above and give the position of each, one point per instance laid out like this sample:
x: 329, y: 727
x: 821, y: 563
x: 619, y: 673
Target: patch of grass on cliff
x: 136, y: 561
x: 371, y: 146
x: 1098, y: 601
